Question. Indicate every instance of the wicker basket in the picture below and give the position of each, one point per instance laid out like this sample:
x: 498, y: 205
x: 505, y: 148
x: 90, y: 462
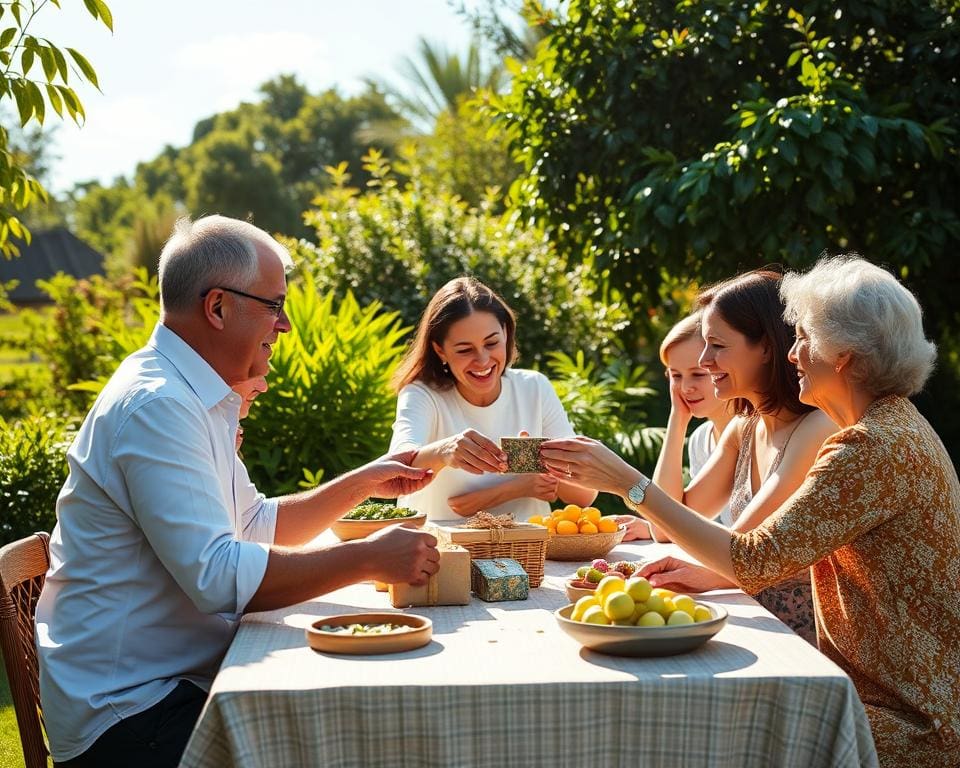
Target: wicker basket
x: 526, y: 543
x: 583, y: 546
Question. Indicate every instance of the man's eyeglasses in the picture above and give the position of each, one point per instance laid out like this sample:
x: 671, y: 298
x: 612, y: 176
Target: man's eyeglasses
x: 276, y: 307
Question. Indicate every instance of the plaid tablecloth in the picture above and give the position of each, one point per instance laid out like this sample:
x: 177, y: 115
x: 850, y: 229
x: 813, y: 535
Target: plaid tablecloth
x: 501, y: 685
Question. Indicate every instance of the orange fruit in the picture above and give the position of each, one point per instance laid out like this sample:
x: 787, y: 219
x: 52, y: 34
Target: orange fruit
x: 571, y: 514
x: 566, y: 528
x: 552, y: 525
x: 587, y: 527
x: 592, y: 514
x: 556, y: 514
x: 536, y: 520
x: 607, y: 525
x: 571, y: 508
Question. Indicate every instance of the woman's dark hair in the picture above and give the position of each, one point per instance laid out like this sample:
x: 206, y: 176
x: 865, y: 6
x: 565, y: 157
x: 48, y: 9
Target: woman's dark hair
x: 456, y: 300
x: 750, y: 304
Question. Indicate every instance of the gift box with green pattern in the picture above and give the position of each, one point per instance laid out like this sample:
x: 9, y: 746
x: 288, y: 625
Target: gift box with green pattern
x: 499, y: 579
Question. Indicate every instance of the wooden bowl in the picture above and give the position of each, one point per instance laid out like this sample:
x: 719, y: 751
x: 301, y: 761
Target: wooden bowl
x: 642, y: 641
x: 347, y: 530
x: 583, y: 546
x: 419, y: 633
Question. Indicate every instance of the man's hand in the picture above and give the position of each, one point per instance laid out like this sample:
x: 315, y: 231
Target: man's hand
x: 681, y: 576
x: 392, y: 476
x: 397, y: 555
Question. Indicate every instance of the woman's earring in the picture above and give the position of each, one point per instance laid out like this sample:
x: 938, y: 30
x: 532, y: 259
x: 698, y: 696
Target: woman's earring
x: 446, y: 368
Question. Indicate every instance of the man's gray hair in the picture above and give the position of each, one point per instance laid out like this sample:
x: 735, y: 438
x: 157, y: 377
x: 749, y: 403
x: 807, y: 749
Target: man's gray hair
x: 211, y: 251
x: 846, y: 304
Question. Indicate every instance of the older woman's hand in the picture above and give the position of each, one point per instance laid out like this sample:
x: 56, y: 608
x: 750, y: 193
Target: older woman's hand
x: 588, y: 463
x: 681, y: 576
x: 638, y: 529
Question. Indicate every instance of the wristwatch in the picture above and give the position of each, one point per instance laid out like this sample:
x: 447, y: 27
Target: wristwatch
x: 637, y: 493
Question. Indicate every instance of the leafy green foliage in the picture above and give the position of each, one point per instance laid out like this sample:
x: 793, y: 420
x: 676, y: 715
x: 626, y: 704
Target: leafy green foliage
x: 609, y: 403
x: 466, y: 155
x: 262, y: 161
x: 35, y: 73
x: 32, y: 470
x: 329, y: 407
x: 438, y: 80
x: 398, y: 245
x: 735, y: 134
x: 94, y: 326
x: 697, y: 140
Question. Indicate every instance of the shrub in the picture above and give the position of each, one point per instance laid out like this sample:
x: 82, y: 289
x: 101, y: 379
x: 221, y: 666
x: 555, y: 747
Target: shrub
x: 609, y: 403
x: 329, y: 407
x: 94, y: 325
x: 33, y: 467
x: 398, y: 245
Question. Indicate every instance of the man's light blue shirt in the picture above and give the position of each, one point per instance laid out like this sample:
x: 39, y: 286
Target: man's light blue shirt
x: 161, y: 540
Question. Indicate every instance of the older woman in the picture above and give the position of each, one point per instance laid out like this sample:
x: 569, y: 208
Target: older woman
x: 877, y: 518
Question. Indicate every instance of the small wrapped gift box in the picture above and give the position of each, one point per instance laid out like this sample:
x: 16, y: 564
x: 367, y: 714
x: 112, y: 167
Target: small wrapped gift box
x: 448, y: 586
x: 500, y: 579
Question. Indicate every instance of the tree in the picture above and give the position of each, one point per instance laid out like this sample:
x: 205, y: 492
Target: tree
x: 690, y: 140
x: 262, y: 160
x: 437, y: 80
x: 35, y: 74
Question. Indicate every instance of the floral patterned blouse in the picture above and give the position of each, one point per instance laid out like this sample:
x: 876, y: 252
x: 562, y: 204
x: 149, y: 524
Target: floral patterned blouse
x: 878, y: 519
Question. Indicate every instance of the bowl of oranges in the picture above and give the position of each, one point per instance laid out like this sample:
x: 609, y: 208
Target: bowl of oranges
x: 579, y: 533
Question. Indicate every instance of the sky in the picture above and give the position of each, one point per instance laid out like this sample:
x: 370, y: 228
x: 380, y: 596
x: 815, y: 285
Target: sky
x: 169, y: 64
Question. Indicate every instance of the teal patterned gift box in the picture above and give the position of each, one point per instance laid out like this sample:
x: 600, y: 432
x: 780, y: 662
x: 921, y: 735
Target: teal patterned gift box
x: 500, y: 579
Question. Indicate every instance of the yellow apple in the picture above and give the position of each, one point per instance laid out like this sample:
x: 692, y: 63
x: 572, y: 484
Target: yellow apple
x: 651, y: 619
x: 595, y: 615
x: 679, y: 618
x: 638, y: 588
x: 618, y: 605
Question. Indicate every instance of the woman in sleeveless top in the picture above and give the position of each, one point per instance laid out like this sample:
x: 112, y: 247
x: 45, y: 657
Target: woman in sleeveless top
x: 767, y: 449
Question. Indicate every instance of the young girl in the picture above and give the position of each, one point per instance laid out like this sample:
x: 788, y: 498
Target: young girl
x: 691, y: 396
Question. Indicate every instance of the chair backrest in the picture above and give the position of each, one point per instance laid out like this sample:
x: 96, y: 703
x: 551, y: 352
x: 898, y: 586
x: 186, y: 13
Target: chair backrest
x: 23, y: 566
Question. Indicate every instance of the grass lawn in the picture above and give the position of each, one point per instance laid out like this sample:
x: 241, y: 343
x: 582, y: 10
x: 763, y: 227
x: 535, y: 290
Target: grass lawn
x: 10, y: 754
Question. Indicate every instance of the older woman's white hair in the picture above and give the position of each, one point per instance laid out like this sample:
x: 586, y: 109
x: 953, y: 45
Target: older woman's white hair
x: 846, y: 304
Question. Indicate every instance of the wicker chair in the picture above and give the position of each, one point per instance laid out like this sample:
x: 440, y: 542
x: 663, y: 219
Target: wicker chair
x: 23, y: 566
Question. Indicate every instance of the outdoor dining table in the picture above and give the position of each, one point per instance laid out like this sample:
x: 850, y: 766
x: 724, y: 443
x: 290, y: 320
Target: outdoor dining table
x: 501, y: 684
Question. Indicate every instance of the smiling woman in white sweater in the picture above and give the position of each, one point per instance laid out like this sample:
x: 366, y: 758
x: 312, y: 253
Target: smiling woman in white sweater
x: 458, y: 396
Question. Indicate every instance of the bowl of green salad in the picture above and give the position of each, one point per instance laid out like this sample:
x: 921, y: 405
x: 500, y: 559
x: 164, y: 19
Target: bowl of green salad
x: 371, y: 516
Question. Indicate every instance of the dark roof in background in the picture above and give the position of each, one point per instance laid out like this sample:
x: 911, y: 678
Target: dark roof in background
x: 56, y: 250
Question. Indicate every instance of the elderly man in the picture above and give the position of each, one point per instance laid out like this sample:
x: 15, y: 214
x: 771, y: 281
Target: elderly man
x: 161, y: 540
